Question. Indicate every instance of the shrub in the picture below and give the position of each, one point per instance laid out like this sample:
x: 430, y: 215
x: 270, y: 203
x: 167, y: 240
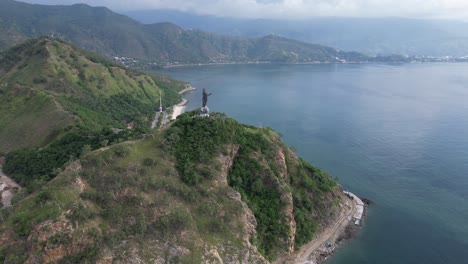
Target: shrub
x: 175, y: 222
x: 149, y: 162
x: 121, y: 150
x: 80, y: 213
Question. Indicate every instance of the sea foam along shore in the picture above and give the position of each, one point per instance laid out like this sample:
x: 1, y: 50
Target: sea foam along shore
x: 344, y: 226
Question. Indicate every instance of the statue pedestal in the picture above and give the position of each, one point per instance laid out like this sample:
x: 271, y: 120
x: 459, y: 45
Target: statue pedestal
x: 205, y: 111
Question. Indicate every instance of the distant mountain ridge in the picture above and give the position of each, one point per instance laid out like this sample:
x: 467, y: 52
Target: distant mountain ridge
x: 101, y: 30
x: 368, y: 35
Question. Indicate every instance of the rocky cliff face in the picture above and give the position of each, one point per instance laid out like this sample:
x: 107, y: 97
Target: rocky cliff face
x: 206, y: 190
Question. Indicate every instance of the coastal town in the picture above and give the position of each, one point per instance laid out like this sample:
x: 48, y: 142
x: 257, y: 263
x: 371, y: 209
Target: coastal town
x: 148, y: 64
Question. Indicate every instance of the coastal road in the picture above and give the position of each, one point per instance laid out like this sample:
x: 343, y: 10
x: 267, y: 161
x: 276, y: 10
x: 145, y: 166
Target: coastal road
x: 329, y: 234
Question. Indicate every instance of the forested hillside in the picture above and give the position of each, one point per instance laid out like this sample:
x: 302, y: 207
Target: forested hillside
x: 100, y: 30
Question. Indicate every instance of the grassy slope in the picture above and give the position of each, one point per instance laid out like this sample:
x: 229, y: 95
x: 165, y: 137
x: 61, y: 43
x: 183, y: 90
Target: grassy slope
x: 49, y: 84
x: 136, y: 192
x: 31, y: 120
x: 145, y: 205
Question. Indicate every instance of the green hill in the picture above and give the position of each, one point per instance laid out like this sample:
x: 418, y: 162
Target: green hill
x: 59, y: 101
x: 100, y: 30
x: 205, y: 190
x: 47, y: 85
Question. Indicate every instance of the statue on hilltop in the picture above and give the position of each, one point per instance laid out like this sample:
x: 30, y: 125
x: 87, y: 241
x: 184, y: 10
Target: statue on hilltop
x: 205, y: 111
x: 205, y: 97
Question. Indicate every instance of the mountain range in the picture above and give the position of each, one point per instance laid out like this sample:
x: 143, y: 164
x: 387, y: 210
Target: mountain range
x: 371, y: 36
x: 100, y: 30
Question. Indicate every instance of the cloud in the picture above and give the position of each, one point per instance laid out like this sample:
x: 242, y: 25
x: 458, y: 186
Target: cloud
x: 451, y: 9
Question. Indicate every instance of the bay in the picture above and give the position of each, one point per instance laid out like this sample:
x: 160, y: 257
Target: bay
x: 395, y: 134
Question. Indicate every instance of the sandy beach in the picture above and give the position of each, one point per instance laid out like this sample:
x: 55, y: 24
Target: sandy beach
x: 179, y: 109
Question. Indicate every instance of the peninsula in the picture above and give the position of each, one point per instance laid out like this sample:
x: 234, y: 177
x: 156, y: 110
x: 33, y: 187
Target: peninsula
x: 101, y: 186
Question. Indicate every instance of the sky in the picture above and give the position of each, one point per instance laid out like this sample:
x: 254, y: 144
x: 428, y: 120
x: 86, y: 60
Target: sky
x: 300, y: 9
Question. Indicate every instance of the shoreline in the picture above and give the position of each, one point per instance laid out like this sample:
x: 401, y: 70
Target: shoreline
x: 188, y: 88
x: 179, y: 109
x: 331, y: 236
x: 308, y: 63
x: 263, y: 62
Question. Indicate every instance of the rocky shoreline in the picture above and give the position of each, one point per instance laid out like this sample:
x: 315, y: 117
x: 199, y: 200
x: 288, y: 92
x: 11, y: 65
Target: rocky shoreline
x: 350, y: 232
x: 345, y: 226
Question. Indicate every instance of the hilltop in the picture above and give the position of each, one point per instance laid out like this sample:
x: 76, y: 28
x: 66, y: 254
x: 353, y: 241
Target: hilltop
x: 49, y: 86
x: 100, y: 30
x: 60, y: 102
x: 205, y: 190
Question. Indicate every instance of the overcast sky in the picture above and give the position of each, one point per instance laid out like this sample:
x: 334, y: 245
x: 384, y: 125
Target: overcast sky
x: 449, y: 9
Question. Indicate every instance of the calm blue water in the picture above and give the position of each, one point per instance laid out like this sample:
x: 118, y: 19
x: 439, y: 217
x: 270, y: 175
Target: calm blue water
x: 397, y: 135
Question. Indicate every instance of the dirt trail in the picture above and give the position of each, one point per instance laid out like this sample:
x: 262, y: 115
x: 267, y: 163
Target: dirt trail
x: 8, y: 188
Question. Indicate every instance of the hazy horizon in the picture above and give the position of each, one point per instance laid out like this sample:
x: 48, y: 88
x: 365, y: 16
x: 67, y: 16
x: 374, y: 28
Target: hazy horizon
x: 291, y: 9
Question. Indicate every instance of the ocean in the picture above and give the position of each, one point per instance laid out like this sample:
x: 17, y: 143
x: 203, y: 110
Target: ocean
x: 395, y: 134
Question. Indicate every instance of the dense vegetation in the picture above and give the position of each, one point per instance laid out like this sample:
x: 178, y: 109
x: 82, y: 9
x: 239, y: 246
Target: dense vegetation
x: 103, y: 31
x: 32, y: 168
x: 309, y: 183
x: 196, y: 142
x: 249, y: 178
